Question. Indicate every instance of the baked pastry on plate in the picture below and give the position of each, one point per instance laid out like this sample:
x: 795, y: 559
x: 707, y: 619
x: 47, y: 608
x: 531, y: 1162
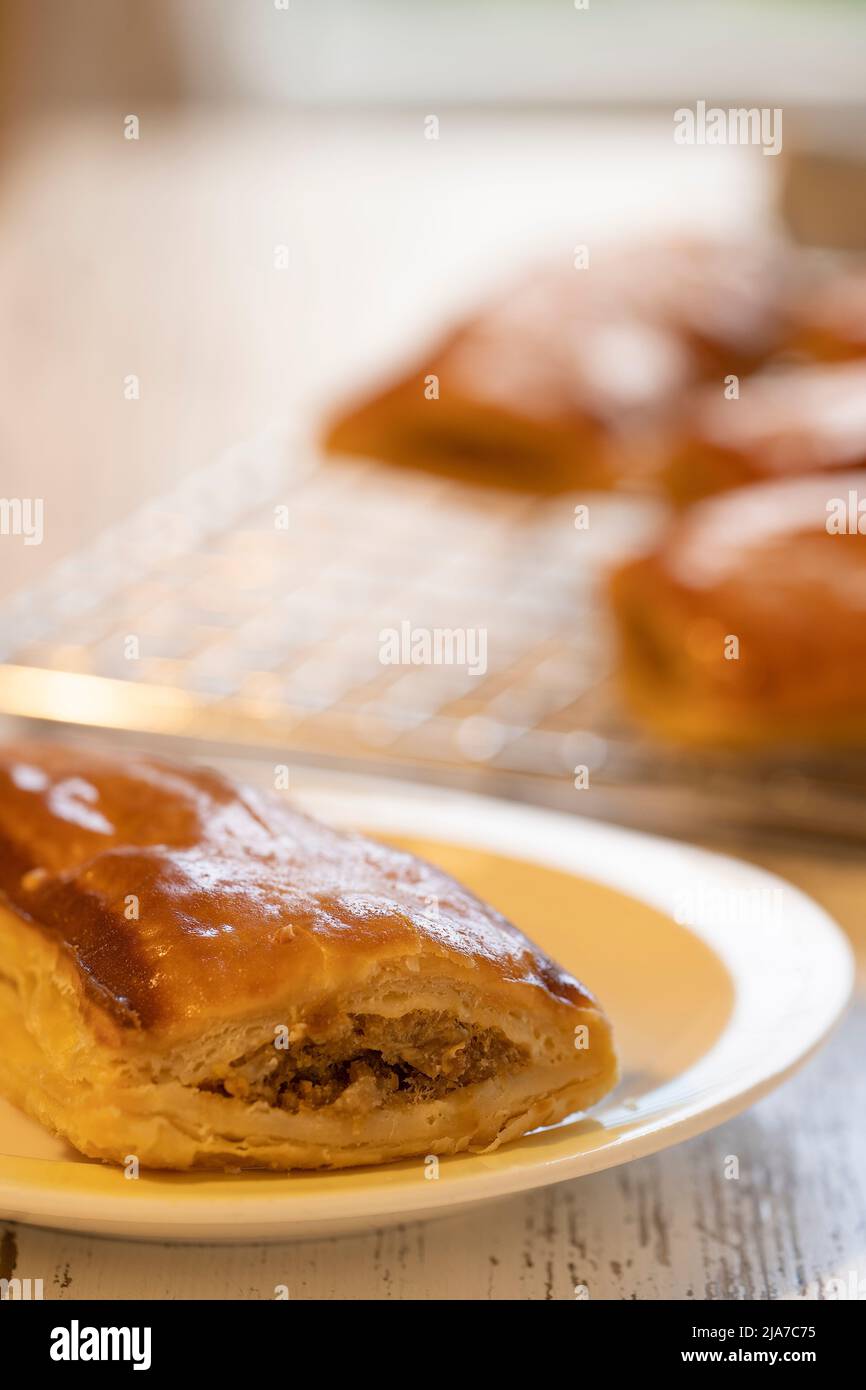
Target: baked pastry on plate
x: 746, y: 624
x: 792, y: 421
x: 551, y: 385
x: 194, y: 974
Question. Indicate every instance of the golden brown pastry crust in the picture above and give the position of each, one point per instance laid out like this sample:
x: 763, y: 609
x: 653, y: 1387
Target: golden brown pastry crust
x: 758, y: 564
x: 160, y: 926
x: 799, y: 420
x: 551, y: 385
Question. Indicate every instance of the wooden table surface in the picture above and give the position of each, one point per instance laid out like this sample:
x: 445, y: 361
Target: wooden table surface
x: 158, y: 259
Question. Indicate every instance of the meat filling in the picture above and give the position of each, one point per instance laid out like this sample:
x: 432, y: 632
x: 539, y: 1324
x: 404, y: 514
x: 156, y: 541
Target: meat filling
x: 372, y: 1061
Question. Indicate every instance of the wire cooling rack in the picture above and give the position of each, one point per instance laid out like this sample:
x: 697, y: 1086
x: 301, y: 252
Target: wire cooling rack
x: 252, y: 607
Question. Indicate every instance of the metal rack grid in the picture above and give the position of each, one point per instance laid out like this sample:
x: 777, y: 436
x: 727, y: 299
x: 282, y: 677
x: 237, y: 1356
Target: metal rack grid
x: 246, y: 607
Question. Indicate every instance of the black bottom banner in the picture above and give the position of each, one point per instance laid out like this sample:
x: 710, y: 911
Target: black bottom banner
x: 244, y: 1338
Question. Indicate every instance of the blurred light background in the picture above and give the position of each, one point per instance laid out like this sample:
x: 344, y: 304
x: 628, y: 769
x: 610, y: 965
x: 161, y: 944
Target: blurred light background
x: 393, y: 52
x: 263, y: 126
x: 281, y: 230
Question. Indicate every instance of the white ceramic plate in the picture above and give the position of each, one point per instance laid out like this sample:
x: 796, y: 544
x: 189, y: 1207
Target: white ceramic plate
x: 710, y: 1011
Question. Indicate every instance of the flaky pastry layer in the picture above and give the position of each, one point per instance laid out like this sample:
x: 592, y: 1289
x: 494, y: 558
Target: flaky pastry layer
x: 356, y: 1006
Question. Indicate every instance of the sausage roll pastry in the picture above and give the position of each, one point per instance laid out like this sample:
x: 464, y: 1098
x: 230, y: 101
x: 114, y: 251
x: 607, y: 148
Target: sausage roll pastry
x: 552, y: 385
x: 747, y: 622
x: 830, y: 320
x: 195, y: 974
x: 798, y: 420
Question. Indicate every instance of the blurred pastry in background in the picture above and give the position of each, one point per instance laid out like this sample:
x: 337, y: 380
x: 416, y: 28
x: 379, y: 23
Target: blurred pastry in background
x: 531, y: 394
x: 729, y: 303
x: 830, y: 320
x: 552, y: 385
x: 746, y: 623
x: 802, y: 419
